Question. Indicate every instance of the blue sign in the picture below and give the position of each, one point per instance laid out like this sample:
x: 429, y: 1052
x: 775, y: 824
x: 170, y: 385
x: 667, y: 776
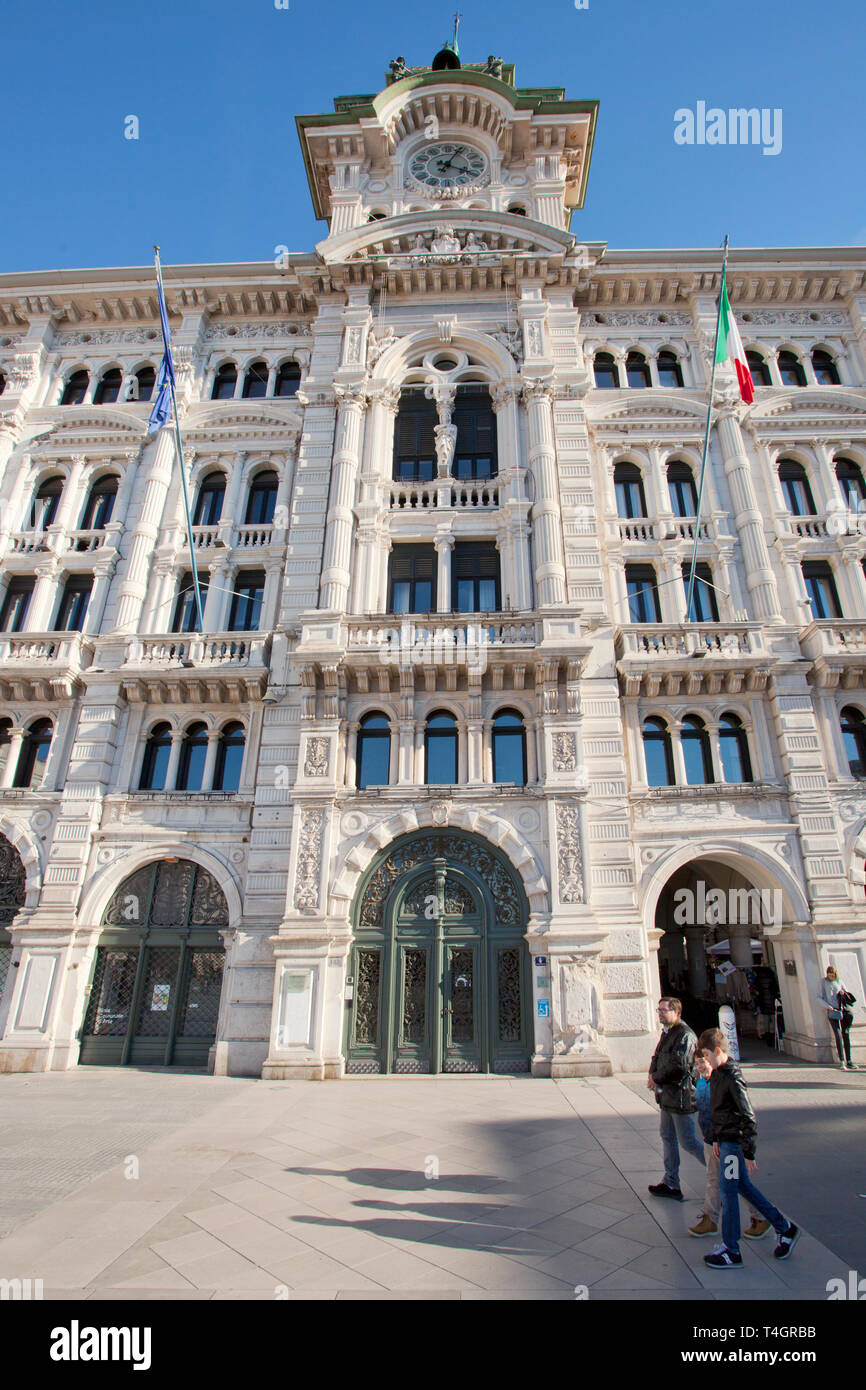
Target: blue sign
x: 541, y: 960
x: 544, y: 1008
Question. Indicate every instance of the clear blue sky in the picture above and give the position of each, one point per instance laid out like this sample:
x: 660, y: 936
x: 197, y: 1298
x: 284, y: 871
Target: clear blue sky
x: 217, y: 173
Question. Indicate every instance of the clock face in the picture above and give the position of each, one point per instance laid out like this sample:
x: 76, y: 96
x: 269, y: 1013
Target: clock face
x: 447, y: 165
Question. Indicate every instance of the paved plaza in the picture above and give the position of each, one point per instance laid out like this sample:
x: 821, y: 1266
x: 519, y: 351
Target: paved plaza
x: 463, y: 1187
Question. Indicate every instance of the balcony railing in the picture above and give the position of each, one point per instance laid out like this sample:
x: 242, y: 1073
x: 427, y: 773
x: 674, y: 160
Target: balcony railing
x: 644, y: 528
x: 61, y: 649
x: 445, y: 631
x: 463, y: 496
x: 833, y: 637
x: 29, y: 542
x: 86, y: 542
x: 689, y: 639
x: 252, y: 537
x: 193, y: 650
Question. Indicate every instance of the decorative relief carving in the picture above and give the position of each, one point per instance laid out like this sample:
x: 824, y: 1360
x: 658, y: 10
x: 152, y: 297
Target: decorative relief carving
x: 256, y: 330
x: 317, y: 757
x: 533, y: 337
x: 564, y: 752
x: 108, y: 335
x: 569, y: 858
x: 580, y: 1012
x: 309, y: 866
x: 767, y: 318
x: 354, y: 337
x: 636, y: 320
x: 439, y: 812
x: 452, y: 848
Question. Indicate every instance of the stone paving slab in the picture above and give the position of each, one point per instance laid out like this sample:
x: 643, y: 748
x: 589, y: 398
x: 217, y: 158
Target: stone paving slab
x: 262, y: 1190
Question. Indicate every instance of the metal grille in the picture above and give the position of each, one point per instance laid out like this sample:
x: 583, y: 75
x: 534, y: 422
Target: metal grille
x: 12, y: 880
x: 367, y: 1007
x: 202, y: 1002
x: 171, y: 894
x: 410, y: 1064
x: 414, y: 996
x: 209, y: 907
x: 111, y: 993
x: 363, y: 1068
x: 160, y: 982
x: 509, y: 995
x: 5, y: 960
x: 504, y: 1066
x: 459, y: 1064
x: 462, y: 997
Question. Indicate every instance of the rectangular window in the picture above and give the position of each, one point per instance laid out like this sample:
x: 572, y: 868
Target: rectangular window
x: 704, y: 606
x: 412, y: 584
x: 414, y: 438
x: 249, y: 589
x: 73, y: 604
x: 643, y: 598
x: 821, y: 588
x: 15, y: 604
x: 475, y: 578
x: 475, y: 419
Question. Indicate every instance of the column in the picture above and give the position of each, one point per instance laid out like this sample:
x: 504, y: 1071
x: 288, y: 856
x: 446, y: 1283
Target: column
x: 375, y: 472
x: 98, y: 596
x: 40, y: 613
x: 546, y: 511
x: 210, y: 758
x: 232, y: 516
x: 66, y: 512
x: 740, y: 938
x: 216, y: 600
x: 407, y: 751
x: 748, y: 518
x: 173, y: 760
x: 334, y: 591
x: 13, y: 753
x: 697, y: 957
x: 715, y: 750
x: 461, y: 751
x: 142, y: 538
x: 475, y: 752
x: 531, y: 750
x: 444, y: 544
x: 487, y: 750
x: 680, y: 778
x: 281, y: 506
x: 351, y: 747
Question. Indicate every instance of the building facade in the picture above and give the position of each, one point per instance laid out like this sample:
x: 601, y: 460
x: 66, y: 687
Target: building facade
x: 429, y: 790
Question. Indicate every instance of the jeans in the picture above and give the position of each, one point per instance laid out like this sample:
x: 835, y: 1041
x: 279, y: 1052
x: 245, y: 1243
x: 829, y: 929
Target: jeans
x: 734, y: 1182
x: 712, y: 1196
x: 675, y: 1126
x: 841, y: 1028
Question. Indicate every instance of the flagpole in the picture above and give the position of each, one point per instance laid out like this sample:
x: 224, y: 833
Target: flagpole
x: 691, y: 591
x: 190, y: 537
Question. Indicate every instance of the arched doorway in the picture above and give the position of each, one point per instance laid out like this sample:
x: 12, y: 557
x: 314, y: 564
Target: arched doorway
x: 157, y: 978
x: 439, y: 961
x: 12, y: 895
x: 714, y: 948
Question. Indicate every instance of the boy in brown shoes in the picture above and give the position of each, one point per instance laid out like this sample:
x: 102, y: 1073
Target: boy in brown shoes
x: 708, y: 1222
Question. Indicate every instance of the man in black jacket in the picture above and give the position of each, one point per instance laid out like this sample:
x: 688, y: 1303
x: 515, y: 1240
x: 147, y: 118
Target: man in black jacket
x: 673, y: 1079
x: 735, y: 1132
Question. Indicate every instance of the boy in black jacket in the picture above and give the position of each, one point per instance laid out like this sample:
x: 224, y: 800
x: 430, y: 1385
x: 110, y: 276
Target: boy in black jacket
x: 734, y: 1134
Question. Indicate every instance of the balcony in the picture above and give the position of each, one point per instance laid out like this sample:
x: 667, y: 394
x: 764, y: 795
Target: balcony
x: 644, y: 530
x: 43, y: 666
x: 181, y: 668
x: 837, y: 649
x: 694, y: 657
x: 446, y: 494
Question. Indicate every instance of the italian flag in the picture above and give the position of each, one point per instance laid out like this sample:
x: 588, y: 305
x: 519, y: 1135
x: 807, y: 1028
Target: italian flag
x: 729, y: 348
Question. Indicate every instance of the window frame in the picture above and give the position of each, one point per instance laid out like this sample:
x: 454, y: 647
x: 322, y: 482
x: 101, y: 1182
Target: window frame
x: 369, y: 734
x: 440, y: 733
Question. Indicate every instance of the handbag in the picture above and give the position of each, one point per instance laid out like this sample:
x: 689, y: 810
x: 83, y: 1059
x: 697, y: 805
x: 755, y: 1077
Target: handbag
x: 846, y: 999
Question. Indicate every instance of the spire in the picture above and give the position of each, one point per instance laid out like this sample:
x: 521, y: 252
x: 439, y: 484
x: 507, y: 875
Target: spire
x: 449, y: 54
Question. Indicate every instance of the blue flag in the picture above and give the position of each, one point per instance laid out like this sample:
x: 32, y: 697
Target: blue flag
x: 164, y: 382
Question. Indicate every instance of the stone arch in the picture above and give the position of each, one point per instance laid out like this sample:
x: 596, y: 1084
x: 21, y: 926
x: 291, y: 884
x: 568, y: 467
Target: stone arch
x: 354, y: 862
x: 393, y: 364
x: 759, y: 867
x: 105, y: 884
x: 30, y: 854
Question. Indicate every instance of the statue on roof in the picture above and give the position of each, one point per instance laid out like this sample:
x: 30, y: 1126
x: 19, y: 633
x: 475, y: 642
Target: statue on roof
x: 398, y: 68
x: 494, y: 67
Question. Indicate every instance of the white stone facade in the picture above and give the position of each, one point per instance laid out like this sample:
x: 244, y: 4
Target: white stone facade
x: 451, y: 286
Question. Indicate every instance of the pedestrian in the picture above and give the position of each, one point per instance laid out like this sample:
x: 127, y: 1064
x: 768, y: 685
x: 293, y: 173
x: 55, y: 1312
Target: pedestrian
x: 768, y: 992
x: 839, y: 1014
x: 735, y: 1131
x: 708, y: 1220
x: 672, y: 1079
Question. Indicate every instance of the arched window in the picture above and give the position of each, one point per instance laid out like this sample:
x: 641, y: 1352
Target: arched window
x: 681, y: 486
x: 791, y: 370
x: 851, y: 482
x: 605, y: 370
x: 628, y: 485
x: 669, y: 370
x: 517, y: 209
x: 854, y: 738
x: 185, y: 616
x: 209, y: 503
x: 229, y: 759
x: 100, y: 505
x: 154, y: 764
x: 759, y: 369
x: 108, y: 387
x: 414, y: 438
x: 193, y: 752
x: 374, y: 751
x: 637, y: 370
x: 145, y: 380
x: 734, y: 745
x: 262, y: 499
x: 696, y: 751
x: 76, y: 388
x: 795, y: 486
x: 44, y: 507
x: 256, y: 381
x: 376, y: 216
x: 704, y: 606
x: 33, y: 755
x: 509, y: 748
x: 825, y: 369
x: 440, y: 750
x: 224, y: 382
x: 288, y: 379
x: 475, y: 449
x: 657, y: 752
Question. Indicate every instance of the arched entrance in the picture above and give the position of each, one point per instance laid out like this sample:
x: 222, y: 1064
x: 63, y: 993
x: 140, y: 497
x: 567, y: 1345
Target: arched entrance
x: 439, y: 961
x: 714, y: 948
x: 155, y: 992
